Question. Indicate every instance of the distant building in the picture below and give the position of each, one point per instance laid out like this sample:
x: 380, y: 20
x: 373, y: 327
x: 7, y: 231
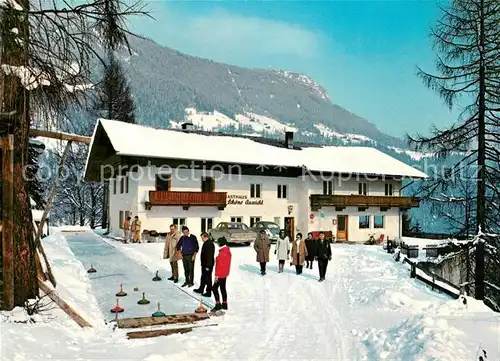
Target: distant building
x: 200, y: 179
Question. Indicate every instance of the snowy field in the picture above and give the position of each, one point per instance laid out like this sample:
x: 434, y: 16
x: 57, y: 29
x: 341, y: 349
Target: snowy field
x: 367, y: 309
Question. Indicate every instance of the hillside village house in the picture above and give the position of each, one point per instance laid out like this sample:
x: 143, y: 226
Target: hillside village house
x: 199, y: 179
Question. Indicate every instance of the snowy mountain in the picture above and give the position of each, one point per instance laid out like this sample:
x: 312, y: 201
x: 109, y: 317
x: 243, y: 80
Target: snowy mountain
x: 168, y: 84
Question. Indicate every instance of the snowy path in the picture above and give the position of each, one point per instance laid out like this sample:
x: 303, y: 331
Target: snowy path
x: 367, y: 309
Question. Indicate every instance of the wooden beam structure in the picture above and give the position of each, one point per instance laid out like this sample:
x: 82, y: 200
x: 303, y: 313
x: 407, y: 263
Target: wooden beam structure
x: 162, y: 332
x: 8, y: 221
x: 59, y: 136
x: 47, y: 210
x: 165, y: 320
x: 75, y: 316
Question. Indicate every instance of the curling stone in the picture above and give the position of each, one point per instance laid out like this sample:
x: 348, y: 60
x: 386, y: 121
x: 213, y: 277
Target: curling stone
x: 143, y: 301
x: 158, y: 313
x: 117, y: 308
x: 201, y: 308
x: 91, y: 269
x: 121, y: 293
x: 156, y: 277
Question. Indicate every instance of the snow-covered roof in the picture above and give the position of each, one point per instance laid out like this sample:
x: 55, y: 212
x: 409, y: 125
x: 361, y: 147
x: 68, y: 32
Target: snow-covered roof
x: 141, y: 141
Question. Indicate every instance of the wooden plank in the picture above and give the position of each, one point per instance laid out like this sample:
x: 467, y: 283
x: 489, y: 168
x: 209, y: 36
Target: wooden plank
x: 166, y: 320
x: 157, y: 333
x: 59, y: 136
x: 47, y: 210
x: 7, y: 222
x: 163, y: 332
x: 63, y: 305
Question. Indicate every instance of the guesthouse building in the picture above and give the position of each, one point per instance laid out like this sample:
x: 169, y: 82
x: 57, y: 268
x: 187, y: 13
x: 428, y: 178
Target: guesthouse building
x: 199, y: 179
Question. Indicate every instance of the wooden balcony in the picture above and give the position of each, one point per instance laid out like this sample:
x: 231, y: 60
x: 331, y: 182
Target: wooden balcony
x: 318, y: 201
x: 187, y: 199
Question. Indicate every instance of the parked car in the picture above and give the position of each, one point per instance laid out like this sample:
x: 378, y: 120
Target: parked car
x: 272, y: 229
x: 234, y: 232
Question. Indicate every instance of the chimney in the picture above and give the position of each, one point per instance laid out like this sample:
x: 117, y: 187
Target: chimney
x: 289, y: 139
x: 187, y: 126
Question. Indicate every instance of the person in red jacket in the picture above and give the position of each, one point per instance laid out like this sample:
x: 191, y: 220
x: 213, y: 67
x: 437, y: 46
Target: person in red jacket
x: 222, y: 267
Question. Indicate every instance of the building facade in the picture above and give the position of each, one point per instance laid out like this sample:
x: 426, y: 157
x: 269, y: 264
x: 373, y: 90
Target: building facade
x: 202, y: 193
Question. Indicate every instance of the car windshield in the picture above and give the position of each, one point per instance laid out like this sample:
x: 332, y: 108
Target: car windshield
x: 272, y: 226
x: 236, y: 226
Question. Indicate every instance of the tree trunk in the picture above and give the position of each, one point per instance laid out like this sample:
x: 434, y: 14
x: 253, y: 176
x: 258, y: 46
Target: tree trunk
x: 15, y: 97
x: 481, y: 158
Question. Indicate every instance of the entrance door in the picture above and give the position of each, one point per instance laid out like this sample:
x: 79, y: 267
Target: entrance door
x: 290, y: 227
x: 342, y: 223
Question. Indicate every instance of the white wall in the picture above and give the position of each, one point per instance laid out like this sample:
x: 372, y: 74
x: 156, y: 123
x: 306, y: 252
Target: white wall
x: 160, y: 217
x: 298, y: 191
x: 121, y: 202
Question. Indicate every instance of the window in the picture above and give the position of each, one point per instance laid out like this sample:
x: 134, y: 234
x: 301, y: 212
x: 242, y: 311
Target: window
x: 179, y: 222
x: 282, y: 191
x: 207, y: 184
x: 206, y: 224
x: 364, y: 222
x: 388, y: 189
x: 122, y: 184
x: 378, y: 221
x: 362, y: 189
x: 277, y: 220
x: 327, y: 188
x: 236, y: 219
x: 254, y: 190
x: 163, y: 182
x: 114, y: 186
x: 126, y: 183
x: 254, y: 220
x: 121, y: 219
x: 242, y: 226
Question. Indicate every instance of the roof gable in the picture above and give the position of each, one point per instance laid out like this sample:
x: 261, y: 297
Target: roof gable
x: 127, y: 139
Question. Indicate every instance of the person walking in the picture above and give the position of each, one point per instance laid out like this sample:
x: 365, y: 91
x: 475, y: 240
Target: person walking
x: 136, y: 230
x: 299, y: 253
x: 207, y: 265
x: 170, y: 251
x: 282, y: 250
x: 126, y: 230
x: 311, y: 245
x: 222, y: 268
x: 323, y: 255
x: 262, y: 246
x: 188, y: 245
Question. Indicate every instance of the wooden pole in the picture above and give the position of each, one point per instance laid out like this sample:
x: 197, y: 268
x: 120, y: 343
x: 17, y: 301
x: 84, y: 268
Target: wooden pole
x: 165, y: 320
x: 60, y: 136
x: 47, y: 209
x: 8, y: 221
x: 63, y: 305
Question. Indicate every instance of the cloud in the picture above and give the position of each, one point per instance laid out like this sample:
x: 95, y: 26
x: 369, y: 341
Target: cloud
x: 225, y: 36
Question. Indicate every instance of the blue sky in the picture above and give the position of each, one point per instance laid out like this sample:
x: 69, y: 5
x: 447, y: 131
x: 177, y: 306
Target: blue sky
x: 364, y: 53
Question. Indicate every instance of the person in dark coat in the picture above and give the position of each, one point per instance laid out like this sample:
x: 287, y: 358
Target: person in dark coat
x: 311, y: 250
x: 207, y: 265
x: 323, y: 255
x: 188, y: 245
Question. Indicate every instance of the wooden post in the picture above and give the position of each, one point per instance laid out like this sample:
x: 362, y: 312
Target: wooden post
x: 47, y: 209
x: 413, y: 272
x: 8, y: 221
x: 479, y: 271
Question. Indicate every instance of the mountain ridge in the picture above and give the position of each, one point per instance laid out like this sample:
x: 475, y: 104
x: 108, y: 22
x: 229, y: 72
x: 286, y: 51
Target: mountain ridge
x: 165, y: 82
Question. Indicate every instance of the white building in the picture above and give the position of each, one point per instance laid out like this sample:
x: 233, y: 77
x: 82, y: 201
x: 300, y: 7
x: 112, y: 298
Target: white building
x: 200, y: 179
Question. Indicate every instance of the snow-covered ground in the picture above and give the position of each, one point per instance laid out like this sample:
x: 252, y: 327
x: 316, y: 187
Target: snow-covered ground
x: 367, y: 309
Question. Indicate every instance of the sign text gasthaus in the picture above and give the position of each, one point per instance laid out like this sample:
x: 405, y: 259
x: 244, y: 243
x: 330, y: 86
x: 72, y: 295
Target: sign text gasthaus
x: 237, y: 199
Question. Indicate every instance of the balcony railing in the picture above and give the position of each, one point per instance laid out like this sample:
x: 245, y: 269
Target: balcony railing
x: 318, y: 201
x: 187, y: 199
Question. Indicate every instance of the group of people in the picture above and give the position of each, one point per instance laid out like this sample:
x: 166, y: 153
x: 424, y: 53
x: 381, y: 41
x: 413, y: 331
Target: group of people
x: 132, y: 230
x: 185, y: 247
x: 299, y: 252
